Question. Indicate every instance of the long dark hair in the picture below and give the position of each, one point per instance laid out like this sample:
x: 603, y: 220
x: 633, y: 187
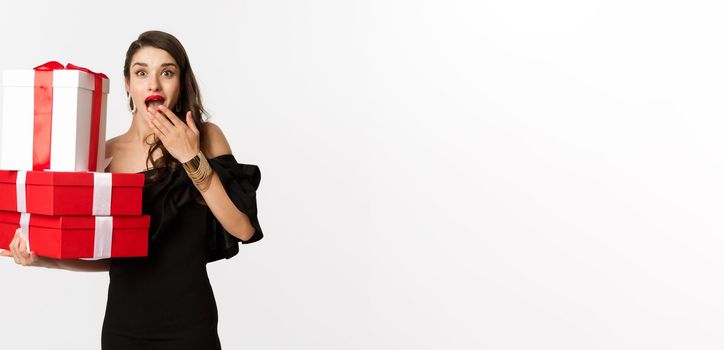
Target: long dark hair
x: 189, y: 97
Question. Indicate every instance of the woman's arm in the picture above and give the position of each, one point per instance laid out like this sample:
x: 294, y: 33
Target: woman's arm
x: 231, y: 218
x: 182, y: 141
x: 20, y: 254
x: 75, y: 264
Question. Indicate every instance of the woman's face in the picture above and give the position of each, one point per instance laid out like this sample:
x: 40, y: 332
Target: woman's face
x: 155, y: 79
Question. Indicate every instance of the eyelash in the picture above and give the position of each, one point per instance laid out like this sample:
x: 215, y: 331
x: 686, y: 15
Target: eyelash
x: 138, y: 74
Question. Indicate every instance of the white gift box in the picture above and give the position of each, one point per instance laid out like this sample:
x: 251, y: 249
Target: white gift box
x: 70, y: 139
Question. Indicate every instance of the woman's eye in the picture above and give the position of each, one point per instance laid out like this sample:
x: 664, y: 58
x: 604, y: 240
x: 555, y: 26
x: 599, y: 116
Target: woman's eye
x: 167, y: 73
x: 140, y: 73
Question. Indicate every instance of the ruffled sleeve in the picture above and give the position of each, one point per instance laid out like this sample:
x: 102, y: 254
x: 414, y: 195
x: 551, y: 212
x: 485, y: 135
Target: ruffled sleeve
x: 165, y: 194
x: 240, y: 182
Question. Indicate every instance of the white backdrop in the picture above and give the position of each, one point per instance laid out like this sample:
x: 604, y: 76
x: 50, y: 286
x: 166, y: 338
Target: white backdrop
x: 435, y: 175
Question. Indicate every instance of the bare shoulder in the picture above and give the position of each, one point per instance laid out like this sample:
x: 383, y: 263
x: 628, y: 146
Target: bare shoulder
x: 111, y: 146
x: 215, y: 143
x: 118, y: 149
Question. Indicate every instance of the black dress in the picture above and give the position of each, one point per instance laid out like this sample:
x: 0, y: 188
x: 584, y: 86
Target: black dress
x: 165, y: 300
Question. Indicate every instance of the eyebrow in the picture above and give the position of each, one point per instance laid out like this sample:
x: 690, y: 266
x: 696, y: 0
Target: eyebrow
x: 146, y: 65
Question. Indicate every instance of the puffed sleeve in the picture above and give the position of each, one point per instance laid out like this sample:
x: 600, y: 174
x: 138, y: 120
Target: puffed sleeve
x: 240, y: 182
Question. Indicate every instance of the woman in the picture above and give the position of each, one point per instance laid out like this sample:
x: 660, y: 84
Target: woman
x: 201, y: 202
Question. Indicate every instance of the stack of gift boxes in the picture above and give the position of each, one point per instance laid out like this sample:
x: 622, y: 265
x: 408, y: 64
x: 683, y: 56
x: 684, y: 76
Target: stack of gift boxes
x: 52, y: 158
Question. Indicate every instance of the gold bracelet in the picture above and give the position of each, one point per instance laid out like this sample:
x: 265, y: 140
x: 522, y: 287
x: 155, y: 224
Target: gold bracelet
x: 199, y: 171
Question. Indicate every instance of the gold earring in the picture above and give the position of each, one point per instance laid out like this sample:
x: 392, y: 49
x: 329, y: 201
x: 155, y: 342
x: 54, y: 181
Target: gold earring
x: 131, y: 105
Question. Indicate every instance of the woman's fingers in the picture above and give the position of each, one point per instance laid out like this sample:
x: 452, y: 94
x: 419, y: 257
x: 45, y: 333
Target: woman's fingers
x: 162, y: 118
x: 172, y: 117
x: 19, y: 252
x: 155, y: 119
x: 154, y: 127
x: 13, y: 247
x: 162, y: 123
x: 190, y: 123
x: 29, y: 259
x: 22, y: 249
x: 180, y: 138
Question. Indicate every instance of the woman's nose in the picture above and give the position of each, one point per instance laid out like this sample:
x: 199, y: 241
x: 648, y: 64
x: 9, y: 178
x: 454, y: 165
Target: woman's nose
x: 153, y: 83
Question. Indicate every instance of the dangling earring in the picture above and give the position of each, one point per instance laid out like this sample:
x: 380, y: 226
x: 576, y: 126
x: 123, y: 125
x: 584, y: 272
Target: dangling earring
x: 131, y: 105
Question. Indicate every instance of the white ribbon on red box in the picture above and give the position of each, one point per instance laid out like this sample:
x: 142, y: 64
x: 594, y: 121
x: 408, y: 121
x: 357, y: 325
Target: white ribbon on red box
x: 102, y: 189
x: 103, y: 238
x: 102, y: 186
x: 25, y: 227
x: 20, y: 190
x: 102, y: 241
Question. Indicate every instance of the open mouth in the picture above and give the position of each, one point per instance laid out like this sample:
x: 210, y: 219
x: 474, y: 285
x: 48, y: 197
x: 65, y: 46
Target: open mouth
x: 154, y: 101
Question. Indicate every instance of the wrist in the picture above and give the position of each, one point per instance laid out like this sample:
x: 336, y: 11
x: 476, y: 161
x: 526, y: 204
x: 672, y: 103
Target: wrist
x: 188, y: 158
x: 199, y: 170
x: 47, y: 263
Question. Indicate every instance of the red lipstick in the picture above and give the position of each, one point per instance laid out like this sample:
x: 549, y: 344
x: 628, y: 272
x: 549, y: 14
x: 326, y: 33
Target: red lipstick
x: 158, y: 98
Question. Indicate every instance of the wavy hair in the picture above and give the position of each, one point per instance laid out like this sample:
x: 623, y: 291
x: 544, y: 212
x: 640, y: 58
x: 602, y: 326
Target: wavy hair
x: 189, y: 94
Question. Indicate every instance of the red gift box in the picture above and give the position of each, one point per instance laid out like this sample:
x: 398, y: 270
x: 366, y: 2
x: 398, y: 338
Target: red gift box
x: 71, y: 193
x: 64, y: 237
x: 54, y: 118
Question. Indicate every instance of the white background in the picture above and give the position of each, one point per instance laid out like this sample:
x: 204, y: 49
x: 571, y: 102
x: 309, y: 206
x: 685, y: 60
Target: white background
x: 435, y: 175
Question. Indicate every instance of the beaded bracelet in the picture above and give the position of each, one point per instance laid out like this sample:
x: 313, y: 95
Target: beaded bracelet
x: 199, y: 171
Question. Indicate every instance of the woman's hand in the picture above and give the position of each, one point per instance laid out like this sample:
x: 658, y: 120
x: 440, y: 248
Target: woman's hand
x: 19, y: 252
x: 180, y: 139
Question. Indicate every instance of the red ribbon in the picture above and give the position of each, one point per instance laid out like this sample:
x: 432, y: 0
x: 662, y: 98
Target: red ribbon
x: 43, y: 114
x: 95, y: 115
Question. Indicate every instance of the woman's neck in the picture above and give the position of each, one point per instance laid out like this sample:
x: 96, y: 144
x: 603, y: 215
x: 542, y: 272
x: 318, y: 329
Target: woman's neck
x: 139, y: 131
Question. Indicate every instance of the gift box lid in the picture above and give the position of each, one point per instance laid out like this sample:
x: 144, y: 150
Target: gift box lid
x: 69, y: 178
x: 71, y: 78
x: 76, y: 222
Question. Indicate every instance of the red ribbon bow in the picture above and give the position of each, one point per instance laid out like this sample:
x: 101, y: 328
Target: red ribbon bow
x: 43, y: 116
